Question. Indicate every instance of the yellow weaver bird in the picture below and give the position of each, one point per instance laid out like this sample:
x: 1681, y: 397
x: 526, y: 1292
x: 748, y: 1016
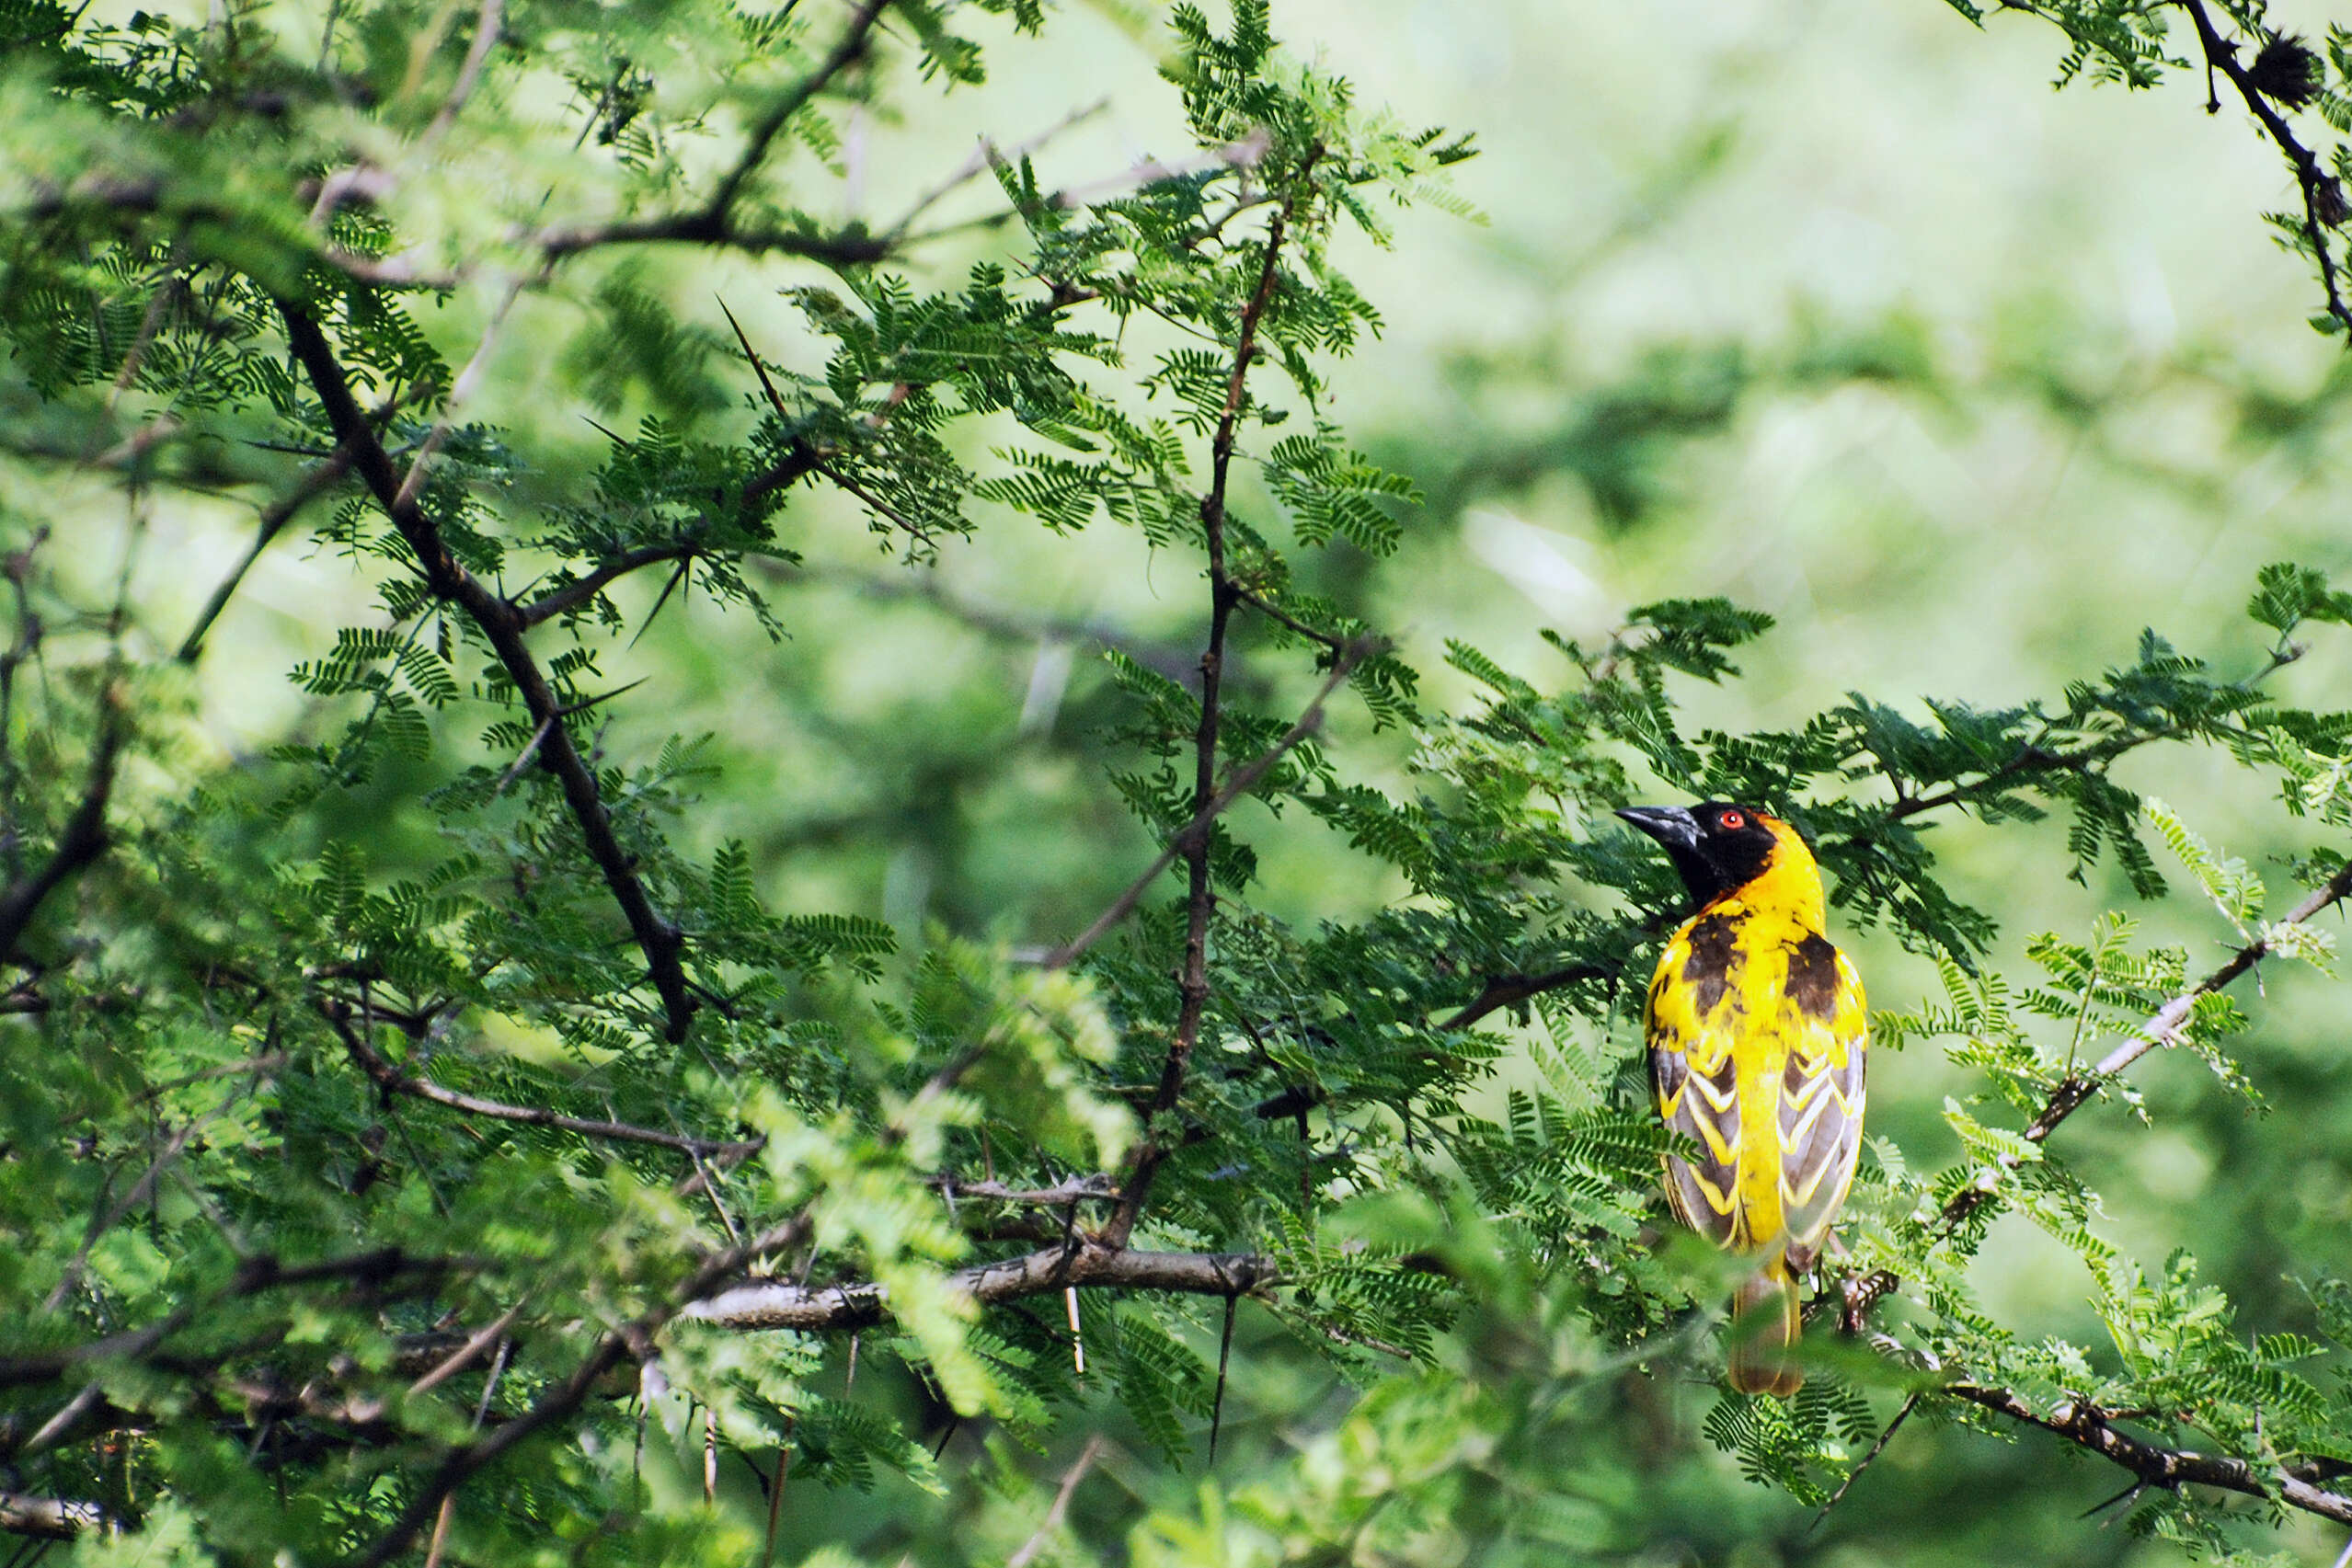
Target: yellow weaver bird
x: 1757, y: 1035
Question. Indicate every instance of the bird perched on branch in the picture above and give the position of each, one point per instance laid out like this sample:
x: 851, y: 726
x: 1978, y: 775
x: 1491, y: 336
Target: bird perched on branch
x: 1756, y: 1034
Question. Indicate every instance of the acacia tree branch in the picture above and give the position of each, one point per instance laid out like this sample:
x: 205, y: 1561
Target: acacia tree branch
x: 710, y: 223
x: 848, y: 51
x: 1223, y: 594
x: 1274, y: 611
x: 322, y: 477
x: 765, y: 1305
x: 1084, y: 1263
x: 563, y: 1399
x: 1856, y: 1297
x: 396, y: 1080
x: 1510, y: 990
x: 486, y: 34
x: 83, y: 838
x: 2085, y: 1426
x: 1192, y: 838
x: 697, y: 228
x: 572, y: 595
x: 253, y: 1276
x: 49, y: 1518
x: 501, y: 623
x: 1095, y: 1443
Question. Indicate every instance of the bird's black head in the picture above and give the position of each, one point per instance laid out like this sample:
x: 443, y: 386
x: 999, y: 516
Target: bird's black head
x: 1716, y: 846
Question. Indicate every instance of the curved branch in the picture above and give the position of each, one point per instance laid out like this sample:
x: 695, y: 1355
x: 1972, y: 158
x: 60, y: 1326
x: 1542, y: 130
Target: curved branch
x: 502, y: 624
x: 1510, y: 990
x: 572, y: 595
x: 710, y: 225
x: 395, y: 1080
x: 1193, y: 843
x: 2155, y: 1465
x: 2320, y: 189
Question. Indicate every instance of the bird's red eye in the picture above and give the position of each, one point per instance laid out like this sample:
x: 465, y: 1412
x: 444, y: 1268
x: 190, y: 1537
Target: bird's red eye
x: 1732, y: 821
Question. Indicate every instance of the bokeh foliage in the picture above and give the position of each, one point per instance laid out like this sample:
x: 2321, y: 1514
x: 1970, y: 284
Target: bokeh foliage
x: 443, y: 1132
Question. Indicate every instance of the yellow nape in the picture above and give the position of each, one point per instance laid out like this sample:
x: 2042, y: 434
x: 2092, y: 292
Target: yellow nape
x: 1789, y: 885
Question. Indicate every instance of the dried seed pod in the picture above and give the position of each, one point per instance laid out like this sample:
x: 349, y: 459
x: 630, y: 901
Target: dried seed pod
x: 2328, y: 203
x: 2287, y: 71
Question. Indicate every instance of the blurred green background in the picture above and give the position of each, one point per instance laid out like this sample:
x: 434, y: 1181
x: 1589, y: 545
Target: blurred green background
x: 1830, y: 306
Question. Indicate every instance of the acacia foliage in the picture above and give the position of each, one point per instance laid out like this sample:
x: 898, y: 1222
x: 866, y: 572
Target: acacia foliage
x: 364, y: 1195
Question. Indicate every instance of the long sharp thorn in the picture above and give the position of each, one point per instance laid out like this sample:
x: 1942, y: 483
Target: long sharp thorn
x: 667, y: 589
x: 775, y: 401
x: 1224, y: 1354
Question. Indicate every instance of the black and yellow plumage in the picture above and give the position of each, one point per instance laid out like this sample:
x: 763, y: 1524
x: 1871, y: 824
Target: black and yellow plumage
x: 1757, y: 1035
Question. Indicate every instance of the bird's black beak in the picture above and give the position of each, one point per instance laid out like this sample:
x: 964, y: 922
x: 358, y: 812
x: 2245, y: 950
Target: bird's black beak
x: 1669, y: 825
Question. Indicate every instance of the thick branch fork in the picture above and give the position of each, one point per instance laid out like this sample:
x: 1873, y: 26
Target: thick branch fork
x: 503, y: 625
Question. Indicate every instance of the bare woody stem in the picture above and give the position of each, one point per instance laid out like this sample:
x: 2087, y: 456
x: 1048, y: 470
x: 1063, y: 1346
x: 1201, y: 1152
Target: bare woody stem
x: 713, y: 223
x: 564, y: 1398
x: 83, y: 838
x: 2154, y: 1464
x: 501, y: 623
x: 756, y: 1305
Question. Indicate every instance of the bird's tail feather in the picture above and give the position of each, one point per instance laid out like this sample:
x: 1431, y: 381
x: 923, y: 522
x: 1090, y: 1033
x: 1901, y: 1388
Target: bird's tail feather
x: 1765, y: 1329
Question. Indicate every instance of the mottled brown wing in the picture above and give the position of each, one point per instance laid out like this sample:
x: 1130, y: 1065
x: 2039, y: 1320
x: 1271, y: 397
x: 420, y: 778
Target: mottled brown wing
x: 1822, y: 1092
x: 1686, y: 1023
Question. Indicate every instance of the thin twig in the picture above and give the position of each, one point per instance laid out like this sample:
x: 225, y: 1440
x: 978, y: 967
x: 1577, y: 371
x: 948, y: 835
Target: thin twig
x: 1274, y: 611
x: 1879, y: 1446
x: 486, y: 37
x: 103, y: 1221
x: 1192, y: 838
x: 1855, y: 1297
x: 572, y: 595
x: 481, y: 1412
x: 398, y: 1081
x: 985, y: 156
x: 1510, y: 990
x: 413, y: 484
x: 322, y: 477
x: 456, y: 1361
x: 1192, y: 984
x: 1053, y: 1516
